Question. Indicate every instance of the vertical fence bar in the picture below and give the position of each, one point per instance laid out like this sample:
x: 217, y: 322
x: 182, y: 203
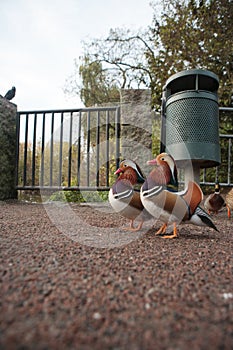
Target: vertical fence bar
x: 25, y: 152
x: 88, y: 146
x: 204, y: 175
x: 79, y: 147
x: 34, y: 150
x: 60, y: 151
x: 117, y: 135
x: 51, y: 152
x: 17, y: 149
x: 229, y: 161
x: 42, y: 152
x: 70, y: 149
x: 97, y: 149
x: 107, y: 148
x: 216, y: 173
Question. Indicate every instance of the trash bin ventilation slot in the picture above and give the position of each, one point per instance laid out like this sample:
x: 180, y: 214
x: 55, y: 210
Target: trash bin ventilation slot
x: 198, y: 128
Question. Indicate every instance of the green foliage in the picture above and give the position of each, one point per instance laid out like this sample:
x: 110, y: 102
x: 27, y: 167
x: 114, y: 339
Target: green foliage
x: 96, y: 87
x: 194, y: 34
x: 156, y: 126
x: 79, y: 197
x: 184, y: 34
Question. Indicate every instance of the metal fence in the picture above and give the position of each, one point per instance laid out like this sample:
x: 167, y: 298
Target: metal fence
x: 224, y: 172
x: 72, y: 149
x: 79, y: 149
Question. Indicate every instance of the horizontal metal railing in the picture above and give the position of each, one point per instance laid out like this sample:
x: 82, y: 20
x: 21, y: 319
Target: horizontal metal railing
x: 79, y: 149
x: 70, y: 149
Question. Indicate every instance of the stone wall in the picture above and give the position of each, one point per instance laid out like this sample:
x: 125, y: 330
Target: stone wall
x: 8, y: 112
x: 136, y: 125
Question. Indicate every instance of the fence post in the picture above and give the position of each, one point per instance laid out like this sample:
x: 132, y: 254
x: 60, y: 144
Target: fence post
x: 8, y: 145
x: 136, y: 125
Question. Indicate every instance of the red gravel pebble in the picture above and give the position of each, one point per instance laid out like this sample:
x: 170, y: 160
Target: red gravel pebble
x: 149, y: 294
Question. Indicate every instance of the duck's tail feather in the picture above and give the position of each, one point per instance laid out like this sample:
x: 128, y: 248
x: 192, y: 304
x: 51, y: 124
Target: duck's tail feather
x: 205, y: 218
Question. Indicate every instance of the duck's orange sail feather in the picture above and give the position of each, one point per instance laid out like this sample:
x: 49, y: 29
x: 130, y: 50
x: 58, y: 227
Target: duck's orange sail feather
x: 193, y: 196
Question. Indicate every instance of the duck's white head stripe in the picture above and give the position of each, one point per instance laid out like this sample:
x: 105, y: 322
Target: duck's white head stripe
x: 133, y: 165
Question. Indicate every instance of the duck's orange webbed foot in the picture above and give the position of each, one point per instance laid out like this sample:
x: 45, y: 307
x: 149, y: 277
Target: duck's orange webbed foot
x: 162, y: 230
x: 228, y: 212
x: 131, y: 228
x: 175, y: 233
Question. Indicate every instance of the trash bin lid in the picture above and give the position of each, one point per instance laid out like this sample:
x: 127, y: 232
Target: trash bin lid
x: 186, y: 80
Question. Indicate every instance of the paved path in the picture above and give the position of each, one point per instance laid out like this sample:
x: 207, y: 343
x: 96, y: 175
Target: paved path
x: 148, y: 294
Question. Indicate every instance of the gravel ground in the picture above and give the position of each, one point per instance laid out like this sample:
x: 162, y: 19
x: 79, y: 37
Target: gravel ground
x: 147, y: 293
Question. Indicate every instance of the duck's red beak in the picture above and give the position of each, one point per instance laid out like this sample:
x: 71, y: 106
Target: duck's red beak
x: 152, y: 162
x: 118, y: 171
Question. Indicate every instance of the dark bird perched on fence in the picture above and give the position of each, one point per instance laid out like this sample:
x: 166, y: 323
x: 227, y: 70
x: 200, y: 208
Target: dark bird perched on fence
x: 10, y: 94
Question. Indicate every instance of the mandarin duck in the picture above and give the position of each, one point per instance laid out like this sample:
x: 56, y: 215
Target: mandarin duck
x: 229, y: 202
x: 214, y: 202
x: 124, y: 197
x: 160, y: 197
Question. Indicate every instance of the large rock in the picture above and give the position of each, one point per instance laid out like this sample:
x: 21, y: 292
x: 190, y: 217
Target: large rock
x: 8, y: 141
x: 136, y: 125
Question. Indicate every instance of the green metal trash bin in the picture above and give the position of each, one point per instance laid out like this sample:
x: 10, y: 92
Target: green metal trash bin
x: 192, y: 118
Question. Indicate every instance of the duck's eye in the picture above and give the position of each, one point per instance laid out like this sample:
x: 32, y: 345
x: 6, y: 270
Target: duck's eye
x: 163, y: 158
x: 125, y: 165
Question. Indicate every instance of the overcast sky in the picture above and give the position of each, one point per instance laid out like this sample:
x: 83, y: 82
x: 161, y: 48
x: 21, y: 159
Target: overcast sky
x: 41, y: 38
